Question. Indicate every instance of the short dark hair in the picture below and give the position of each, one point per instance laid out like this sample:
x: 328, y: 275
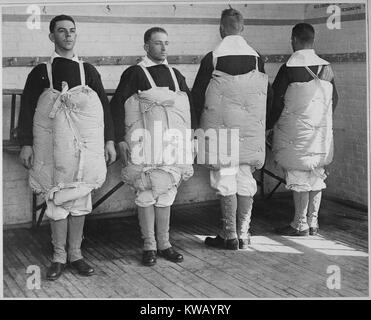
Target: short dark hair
x: 232, y: 21
x: 61, y: 17
x: 149, y: 32
x: 304, y: 32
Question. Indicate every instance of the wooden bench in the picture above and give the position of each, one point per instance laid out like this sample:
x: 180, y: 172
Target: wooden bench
x: 12, y: 146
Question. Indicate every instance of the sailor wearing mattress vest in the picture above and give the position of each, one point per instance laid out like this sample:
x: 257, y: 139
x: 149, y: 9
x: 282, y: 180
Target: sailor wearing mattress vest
x: 151, y: 100
x: 64, y: 122
x: 301, y: 117
x: 231, y: 93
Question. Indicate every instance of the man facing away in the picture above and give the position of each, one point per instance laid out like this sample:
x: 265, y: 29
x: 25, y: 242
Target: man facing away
x: 230, y: 92
x: 66, y: 132
x: 304, y: 100
x: 152, y: 94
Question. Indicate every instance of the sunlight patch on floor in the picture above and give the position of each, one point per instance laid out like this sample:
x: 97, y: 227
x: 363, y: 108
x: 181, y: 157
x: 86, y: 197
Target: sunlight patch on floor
x: 200, y: 237
x: 265, y: 244
x: 327, y: 247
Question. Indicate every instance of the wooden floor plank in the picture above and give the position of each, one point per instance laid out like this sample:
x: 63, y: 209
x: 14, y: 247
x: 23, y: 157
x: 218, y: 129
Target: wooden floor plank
x: 55, y: 290
x: 362, y: 262
x: 359, y: 261
x: 21, y: 281
x: 13, y: 290
x: 203, y: 254
x: 92, y: 283
x: 114, y: 248
x: 286, y: 261
x: 219, y: 260
x: 196, y: 286
x: 145, y: 288
x: 257, y: 267
x: 42, y: 262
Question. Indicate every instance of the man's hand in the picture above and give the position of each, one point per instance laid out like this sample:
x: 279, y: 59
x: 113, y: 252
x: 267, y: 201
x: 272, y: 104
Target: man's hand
x: 26, y: 156
x: 124, y: 152
x: 110, y: 152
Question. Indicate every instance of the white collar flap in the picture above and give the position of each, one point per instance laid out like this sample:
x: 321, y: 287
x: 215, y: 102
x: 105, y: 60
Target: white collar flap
x: 56, y: 55
x: 147, y: 62
x: 305, y: 58
x: 234, y: 45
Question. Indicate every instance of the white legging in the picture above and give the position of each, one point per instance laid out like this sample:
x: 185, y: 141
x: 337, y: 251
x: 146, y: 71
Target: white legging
x: 229, y: 181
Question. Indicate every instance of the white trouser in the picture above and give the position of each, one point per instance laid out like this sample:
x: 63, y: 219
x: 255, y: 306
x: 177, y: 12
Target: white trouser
x: 147, y: 198
x: 163, y: 188
x: 229, y: 181
x: 303, y: 181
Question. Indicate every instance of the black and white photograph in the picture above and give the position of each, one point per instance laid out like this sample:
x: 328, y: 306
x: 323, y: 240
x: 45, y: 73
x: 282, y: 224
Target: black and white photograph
x: 204, y: 151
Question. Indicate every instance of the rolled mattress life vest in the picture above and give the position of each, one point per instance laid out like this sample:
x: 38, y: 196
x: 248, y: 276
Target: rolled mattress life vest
x: 68, y: 143
x: 303, y: 138
x: 158, y: 132
x: 235, y: 109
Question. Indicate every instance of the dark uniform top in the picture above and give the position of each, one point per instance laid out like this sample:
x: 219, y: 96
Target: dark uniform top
x: 62, y: 70
x: 285, y: 76
x: 232, y: 65
x: 134, y: 79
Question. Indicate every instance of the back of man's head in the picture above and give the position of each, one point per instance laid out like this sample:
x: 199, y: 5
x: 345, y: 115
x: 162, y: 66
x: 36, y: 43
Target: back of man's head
x: 61, y: 17
x: 304, y: 33
x: 231, y: 22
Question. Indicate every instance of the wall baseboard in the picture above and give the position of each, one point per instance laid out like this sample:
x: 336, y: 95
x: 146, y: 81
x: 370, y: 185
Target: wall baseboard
x: 348, y: 203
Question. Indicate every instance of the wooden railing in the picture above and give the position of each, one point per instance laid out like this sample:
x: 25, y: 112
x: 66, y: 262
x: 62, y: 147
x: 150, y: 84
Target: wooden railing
x: 11, y: 144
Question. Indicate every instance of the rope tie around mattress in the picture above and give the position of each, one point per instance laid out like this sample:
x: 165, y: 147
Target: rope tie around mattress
x: 64, y: 104
x: 147, y: 105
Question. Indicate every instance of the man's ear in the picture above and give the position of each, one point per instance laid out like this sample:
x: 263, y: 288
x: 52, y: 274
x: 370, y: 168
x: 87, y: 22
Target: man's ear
x: 146, y: 47
x: 221, y: 31
x: 51, y: 37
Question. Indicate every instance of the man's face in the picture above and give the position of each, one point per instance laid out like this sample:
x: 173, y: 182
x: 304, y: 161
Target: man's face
x: 64, y: 35
x: 156, y: 47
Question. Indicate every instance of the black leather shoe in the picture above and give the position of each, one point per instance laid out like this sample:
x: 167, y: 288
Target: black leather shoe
x: 55, y: 271
x: 82, y: 267
x: 313, y: 231
x: 292, y: 232
x: 244, y: 243
x: 219, y: 242
x: 171, y: 255
x: 149, y: 258
x: 231, y: 244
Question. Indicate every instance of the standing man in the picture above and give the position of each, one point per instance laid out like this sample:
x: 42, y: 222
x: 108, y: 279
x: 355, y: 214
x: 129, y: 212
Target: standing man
x: 230, y: 92
x: 149, y: 94
x: 62, y: 133
x: 304, y: 100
